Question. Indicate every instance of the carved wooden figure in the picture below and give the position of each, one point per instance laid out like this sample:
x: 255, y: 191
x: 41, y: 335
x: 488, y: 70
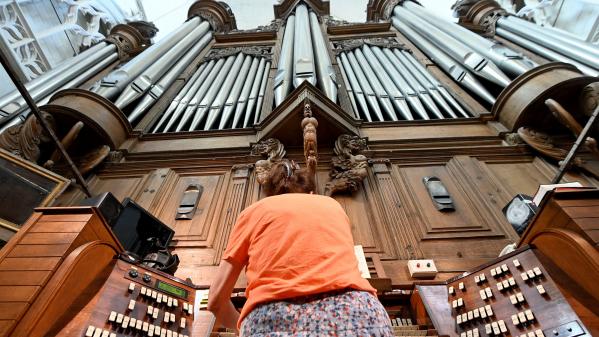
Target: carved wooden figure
x: 274, y: 150
x: 349, y: 166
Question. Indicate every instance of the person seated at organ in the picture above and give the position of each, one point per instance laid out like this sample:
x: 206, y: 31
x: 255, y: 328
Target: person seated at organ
x: 302, y: 274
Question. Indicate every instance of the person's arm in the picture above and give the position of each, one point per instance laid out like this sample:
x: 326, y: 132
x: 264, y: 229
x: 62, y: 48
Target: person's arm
x: 219, y: 298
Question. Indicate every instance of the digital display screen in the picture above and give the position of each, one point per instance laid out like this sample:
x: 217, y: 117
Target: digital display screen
x: 171, y: 289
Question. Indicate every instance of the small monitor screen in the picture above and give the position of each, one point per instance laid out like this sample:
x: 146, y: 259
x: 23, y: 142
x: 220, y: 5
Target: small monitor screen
x: 171, y: 289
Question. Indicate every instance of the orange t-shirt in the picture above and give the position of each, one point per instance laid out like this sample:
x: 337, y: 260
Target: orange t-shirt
x: 294, y: 245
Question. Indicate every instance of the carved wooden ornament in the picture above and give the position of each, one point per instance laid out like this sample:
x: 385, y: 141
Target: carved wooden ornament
x: 309, y: 125
x: 274, y: 150
x: 349, y: 166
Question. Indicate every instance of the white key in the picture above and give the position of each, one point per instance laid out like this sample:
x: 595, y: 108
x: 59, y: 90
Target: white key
x: 131, y: 305
x: 541, y: 289
x: 502, y: 327
x: 529, y: 315
x: 119, y: 318
x: 98, y: 332
x: 112, y: 316
x: 524, y: 276
x: 105, y: 333
x: 537, y: 272
x: 182, y: 324
x: 516, y: 263
x: 131, y: 287
x: 125, y: 322
x: 145, y: 326
x: 90, y: 331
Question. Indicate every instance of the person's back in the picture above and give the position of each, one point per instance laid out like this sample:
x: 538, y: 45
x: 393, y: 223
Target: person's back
x: 294, y: 245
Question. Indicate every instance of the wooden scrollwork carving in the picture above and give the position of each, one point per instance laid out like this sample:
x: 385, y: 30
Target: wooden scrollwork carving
x: 24, y: 140
x: 349, y: 166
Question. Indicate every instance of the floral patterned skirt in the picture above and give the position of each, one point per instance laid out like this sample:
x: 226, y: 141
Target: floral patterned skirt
x: 339, y: 313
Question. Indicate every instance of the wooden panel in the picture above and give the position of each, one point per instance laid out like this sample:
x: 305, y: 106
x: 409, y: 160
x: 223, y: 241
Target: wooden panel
x: 22, y: 277
x: 65, y: 217
x: 58, y: 227
x: 12, y: 310
x: 47, y: 238
x: 39, y: 250
x: 29, y: 263
x: 17, y: 293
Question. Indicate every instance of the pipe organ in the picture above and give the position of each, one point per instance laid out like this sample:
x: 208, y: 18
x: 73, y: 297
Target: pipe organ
x: 397, y: 117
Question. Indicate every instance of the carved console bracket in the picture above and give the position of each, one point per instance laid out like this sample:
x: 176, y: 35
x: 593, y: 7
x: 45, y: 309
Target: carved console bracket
x: 383, y: 42
x: 349, y: 166
x: 274, y: 151
x: 479, y: 16
x: 217, y: 13
x: 256, y: 51
x: 132, y: 38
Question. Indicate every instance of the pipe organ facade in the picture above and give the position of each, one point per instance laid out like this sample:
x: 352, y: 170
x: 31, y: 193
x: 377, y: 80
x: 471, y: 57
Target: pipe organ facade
x: 424, y: 130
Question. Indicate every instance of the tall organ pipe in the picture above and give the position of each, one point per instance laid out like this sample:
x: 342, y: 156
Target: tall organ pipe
x: 423, y: 84
x: 579, y: 52
x: 169, y: 78
x: 204, y: 106
x: 175, y: 102
x: 245, y: 92
x: 191, y: 107
x: 412, y: 82
x: 325, y: 71
x: 456, y: 71
x: 50, y: 81
x: 433, y: 81
x: 368, y: 91
x: 350, y: 89
x: 233, y: 97
x: 284, y: 75
x: 356, y: 87
x: 116, y: 81
x: 507, y: 59
x: 261, y: 94
x: 303, y: 56
x: 149, y: 76
x: 217, y: 104
x: 464, y: 55
x: 398, y: 97
x: 545, y: 52
x: 254, y: 92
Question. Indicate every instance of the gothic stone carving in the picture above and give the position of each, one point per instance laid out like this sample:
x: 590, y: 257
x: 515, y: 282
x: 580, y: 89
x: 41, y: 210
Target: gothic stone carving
x: 218, y: 14
x: 309, y: 125
x: 383, y: 42
x: 271, y: 148
x: 24, y: 139
x: 256, y: 51
x: 349, y: 166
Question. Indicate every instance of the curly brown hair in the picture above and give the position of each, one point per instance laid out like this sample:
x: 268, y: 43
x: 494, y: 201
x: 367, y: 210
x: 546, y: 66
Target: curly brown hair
x: 287, y: 177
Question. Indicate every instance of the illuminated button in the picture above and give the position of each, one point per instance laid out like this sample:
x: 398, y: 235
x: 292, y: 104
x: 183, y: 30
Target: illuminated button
x: 454, y: 304
x: 506, y: 284
x: 458, y: 319
x: 112, y: 316
x: 162, y: 332
x: 119, y: 318
x: 125, y: 322
x: 502, y: 326
x: 182, y: 324
x: 169, y: 302
x: 157, y: 330
x: 154, y: 294
x: 105, y: 333
x: 90, y: 331
x: 489, y: 310
x: 488, y: 329
x: 145, y: 326
x: 139, y: 324
x: 469, y: 333
x: 499, y: 286
x: 470, y: 315
x: 476, y: 313
x: 185, y: 306
x: 483, y: 313
x: 477, y: 279
x: 531, y: 334
x: 173, y: 318
x: 493, y: 272
x: 475, y: 332
x: 524, y: 276
x: 495, y: 327
x: 516, y: 263
x: 541, y: 289
x: 482, y: 277
x: 460, y: 303
x: 169, y: 333
x: 159, y: 298
x: 131, y: 305
x: 175, y: 334
x: 113, y: 335
x: 464, y: 318
x: 98, y: 332
x: 537, y: 272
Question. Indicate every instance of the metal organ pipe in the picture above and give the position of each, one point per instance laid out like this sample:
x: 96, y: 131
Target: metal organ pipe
x: 245, y: 92
x: 217, y: 104
x: 466, y: 56
x: 356, y: 87
x: 303, y: 56
x: 350, y: 90
x: 261, y: 94
x: 169, y: 78
x: 149, y: 76
x: 284, y: 75
x: 233, y: 97
x: 545, y: 52
x: 368, y: 91
x: 325, y: 71
x: 579, y: 52
x: 116, y: 81
x: 254, y: 92
x: 191, y: 107
x: 507, y: 59
x: 456, y: 71
x: 175, y: 102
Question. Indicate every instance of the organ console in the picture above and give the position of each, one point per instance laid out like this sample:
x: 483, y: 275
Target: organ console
x: 65, y: 274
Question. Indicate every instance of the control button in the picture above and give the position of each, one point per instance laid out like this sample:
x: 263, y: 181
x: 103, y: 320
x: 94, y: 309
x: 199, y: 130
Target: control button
x: 166, y: 317
x: 125, y: 322
x: 131, y: 287
x: 98, y: 332
x: 113, y: 335
x: 183, y: 321
x: 190, y: 307
x: 150, y: 310
x: 169, y: 333
x: 162, y: 332
x: 150, y: 330
x: 175, y: 302
x: 173, y: 318
x: 132, y: 322
x: 139, y: 324
x: 112, y: 316
x: 119, y: 318
x: 516, y: 263
x: 147, y: 278
x: 154, y: 294
x: 157, y: 330
x: 133, y: 273
x: 155, y: 313
x: 159, y: 299
x: 131, y: 305
x: 169, y: 302
x: 105, y: 333
x: 185, y: 306
x: 541, y: 289
x: 537, y: 272
x: 502, y: 326
x: 143, y: 291
x: 90, y: 331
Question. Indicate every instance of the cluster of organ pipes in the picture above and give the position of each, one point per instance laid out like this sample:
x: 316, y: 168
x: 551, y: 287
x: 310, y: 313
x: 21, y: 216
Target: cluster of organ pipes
x: 304, y: 57
x: 226, y: 93
x: 464, y: 55
x: 389, y: 84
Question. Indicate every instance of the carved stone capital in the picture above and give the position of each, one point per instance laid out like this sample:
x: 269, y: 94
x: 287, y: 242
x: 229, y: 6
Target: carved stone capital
x: 256, y: 51
x: 218, y: 14
x: 132, y: 38
x: 349, y: 165
x: 274, y: 151
x: 382, y: 42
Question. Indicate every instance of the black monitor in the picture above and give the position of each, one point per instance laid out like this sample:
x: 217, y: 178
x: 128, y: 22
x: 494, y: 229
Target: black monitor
x: 139, y: 231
